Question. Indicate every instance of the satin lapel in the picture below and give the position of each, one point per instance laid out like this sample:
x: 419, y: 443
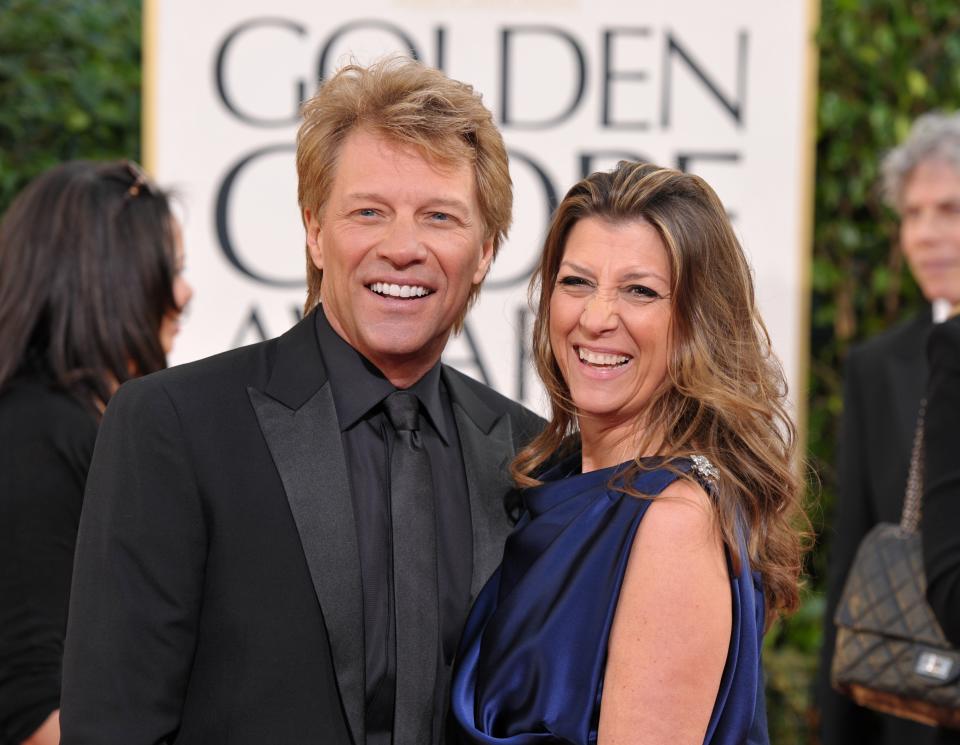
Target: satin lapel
x: 306, y: 448
x: 486, y: 460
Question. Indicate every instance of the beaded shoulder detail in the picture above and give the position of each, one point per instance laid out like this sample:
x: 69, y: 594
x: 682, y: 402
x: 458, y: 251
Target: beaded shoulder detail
x: 704, y: 470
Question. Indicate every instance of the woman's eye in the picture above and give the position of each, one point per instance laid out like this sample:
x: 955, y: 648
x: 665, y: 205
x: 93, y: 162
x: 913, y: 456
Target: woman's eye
x: 572, y: 282
x: 642, y: 292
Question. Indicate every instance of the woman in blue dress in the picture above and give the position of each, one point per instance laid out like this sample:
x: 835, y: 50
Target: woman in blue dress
x: 659, y: 536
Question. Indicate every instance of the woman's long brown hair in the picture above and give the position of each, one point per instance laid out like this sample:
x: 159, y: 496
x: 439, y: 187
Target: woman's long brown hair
x: 725, y: 393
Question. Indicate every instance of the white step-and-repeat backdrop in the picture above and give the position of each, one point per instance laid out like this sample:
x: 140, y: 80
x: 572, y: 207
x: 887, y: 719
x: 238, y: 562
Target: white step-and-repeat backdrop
x: 724, y: 90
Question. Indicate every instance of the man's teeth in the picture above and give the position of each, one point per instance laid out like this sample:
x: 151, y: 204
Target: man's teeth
x: 600, y: 358
x: 385, y: 288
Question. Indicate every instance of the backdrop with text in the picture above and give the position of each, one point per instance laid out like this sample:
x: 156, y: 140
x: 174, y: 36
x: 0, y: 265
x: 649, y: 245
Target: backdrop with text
x: 721, y: 90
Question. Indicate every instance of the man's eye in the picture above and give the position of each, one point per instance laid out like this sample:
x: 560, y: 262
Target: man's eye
x: 439, y: 216
x: 367, y: 212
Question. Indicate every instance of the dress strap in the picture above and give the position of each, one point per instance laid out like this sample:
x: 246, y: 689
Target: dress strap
x: 654, y: 481
x: 705, y: 472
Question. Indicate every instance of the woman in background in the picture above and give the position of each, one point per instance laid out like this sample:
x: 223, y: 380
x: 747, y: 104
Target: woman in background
x: 91, y: 290
x: 660, y: 540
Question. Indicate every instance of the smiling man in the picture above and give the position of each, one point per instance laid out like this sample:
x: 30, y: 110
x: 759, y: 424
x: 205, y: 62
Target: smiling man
x: 281, y: 543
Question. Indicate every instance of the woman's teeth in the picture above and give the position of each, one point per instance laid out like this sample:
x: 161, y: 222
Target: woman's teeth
x: 601, y: 358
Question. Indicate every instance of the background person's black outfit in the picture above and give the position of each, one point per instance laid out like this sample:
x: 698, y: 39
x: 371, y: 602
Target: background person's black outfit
x: 46, y: 442
x: 884, y: 380
x: 940, y: 519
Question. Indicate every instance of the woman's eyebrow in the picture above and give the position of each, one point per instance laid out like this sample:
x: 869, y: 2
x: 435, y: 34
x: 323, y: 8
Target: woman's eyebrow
x: 643, y: 275
x: 575, y: 267
x: 629, y: 277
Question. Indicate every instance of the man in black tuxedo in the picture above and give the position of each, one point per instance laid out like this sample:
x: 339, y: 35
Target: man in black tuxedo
x: 280, y: 544
x: 883, y: 383
x: 940, y: 513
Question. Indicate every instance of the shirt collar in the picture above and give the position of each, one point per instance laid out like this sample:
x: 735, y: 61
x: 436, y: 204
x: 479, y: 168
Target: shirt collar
x: 358, y: 385
x: 941, y: 310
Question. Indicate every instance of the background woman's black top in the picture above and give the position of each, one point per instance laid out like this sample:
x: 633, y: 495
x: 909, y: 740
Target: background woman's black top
x: 46, y: 442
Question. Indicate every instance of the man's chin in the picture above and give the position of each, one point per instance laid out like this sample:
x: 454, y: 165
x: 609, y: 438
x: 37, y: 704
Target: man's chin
x: 397, y: 348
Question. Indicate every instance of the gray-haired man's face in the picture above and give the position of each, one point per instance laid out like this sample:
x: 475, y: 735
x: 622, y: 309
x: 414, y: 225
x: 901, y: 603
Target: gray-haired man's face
x: 930, y: 229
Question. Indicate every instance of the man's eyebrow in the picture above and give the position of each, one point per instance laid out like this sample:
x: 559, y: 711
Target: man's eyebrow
x: 436, y: 202
x: 373, y: 196
x: 449, y: 202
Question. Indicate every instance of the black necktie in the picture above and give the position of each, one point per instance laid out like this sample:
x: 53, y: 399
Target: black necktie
x: 414, y: 574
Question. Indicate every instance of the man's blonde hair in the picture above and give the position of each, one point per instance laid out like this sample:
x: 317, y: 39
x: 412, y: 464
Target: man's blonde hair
x: 410, y: 104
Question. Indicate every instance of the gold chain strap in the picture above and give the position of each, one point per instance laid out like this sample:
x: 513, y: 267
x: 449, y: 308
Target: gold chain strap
x: 910, y: 517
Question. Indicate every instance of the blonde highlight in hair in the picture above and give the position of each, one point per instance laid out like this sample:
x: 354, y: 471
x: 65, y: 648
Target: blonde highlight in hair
x: 412, y: 105
x: 725, y: 393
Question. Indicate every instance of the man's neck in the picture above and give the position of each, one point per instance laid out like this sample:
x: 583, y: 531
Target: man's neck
x: 405, y: 374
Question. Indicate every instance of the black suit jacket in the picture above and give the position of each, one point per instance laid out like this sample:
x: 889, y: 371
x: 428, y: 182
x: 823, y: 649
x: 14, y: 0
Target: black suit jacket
x: 884, y: 382
x: 216, y: 593
x: 940, y: 520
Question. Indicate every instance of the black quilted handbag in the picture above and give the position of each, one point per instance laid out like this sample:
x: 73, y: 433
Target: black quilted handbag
x: 891, y: 654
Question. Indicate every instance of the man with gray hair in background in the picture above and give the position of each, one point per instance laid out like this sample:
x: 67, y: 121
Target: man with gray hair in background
x: 884, y: 382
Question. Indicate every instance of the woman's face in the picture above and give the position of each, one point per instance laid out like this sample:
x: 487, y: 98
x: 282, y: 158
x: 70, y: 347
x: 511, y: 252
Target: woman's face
x: 609, y: 320
x: 182, y: 292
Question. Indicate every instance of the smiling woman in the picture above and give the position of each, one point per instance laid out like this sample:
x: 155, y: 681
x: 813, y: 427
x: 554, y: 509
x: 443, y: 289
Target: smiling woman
x: 609, y: 323
x: 658, y: 542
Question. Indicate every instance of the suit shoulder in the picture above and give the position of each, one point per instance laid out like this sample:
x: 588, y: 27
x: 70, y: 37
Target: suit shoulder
x: 529, y: 422
x: 249, y: 364
x: 906, y: 337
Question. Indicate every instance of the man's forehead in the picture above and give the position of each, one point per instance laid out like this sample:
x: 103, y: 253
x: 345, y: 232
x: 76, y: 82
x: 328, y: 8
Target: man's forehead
x: 932, y: 178
x: 371, y: 166
x: 444, y: 154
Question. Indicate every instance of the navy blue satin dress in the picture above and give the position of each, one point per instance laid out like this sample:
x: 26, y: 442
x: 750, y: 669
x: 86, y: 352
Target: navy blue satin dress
x: 532, y: 656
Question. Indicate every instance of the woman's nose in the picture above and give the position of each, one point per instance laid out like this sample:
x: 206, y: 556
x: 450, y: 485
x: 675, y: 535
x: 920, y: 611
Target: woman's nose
x: 600, y: 312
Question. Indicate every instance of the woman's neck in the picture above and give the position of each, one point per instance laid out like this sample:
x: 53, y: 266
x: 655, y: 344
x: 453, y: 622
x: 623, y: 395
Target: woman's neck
x: 604, y: 444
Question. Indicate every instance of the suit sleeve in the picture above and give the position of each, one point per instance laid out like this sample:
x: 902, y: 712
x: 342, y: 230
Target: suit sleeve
x: 842, y: 721
x: 138, y: 574
x: 941, y: 500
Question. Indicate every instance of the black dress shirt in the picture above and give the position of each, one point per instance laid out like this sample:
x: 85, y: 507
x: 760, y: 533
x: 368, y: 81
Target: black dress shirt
x: 359, y: 389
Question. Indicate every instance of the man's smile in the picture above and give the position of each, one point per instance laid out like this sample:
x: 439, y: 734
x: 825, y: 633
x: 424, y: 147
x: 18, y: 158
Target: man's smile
x: 390, y: 289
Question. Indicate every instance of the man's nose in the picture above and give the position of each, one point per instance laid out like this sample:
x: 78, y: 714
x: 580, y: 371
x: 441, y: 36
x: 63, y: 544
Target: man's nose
x: 927, y: 227
x: 403, y: 244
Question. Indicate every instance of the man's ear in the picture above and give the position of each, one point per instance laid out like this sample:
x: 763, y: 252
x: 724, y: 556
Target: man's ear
x: 314, y: 243
x: 486, y: 258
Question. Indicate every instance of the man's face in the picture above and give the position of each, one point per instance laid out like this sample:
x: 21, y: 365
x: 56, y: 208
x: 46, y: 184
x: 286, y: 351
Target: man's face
x: 930, y: 229
x: 401, y: 243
